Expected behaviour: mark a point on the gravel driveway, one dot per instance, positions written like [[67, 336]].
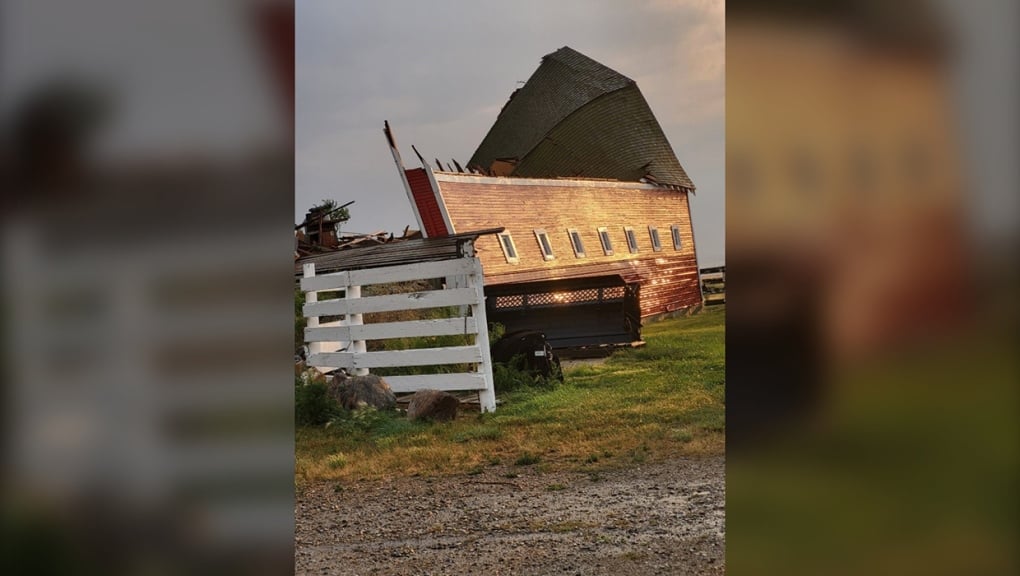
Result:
[[657, 518]]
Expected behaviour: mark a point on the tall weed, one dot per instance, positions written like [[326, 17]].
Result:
[[312, 404]]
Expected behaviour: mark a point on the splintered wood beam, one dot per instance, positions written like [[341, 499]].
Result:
[[420, 158]]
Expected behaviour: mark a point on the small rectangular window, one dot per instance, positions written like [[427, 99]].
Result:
[[509, 250], [653, 233], [543, 244], [575, 241], [607, 244], [631, 239], [677, 243]]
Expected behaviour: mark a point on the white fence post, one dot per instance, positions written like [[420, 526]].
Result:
[[487, 396], [357, 346], [311, 298], [458, 281]]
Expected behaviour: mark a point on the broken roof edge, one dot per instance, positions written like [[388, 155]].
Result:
[[393, 253], [563, 181], [474, 234]]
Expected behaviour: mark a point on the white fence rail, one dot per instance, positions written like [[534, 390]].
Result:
[[342, 344]]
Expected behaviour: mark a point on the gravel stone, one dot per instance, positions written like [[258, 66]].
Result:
[[662, 518]]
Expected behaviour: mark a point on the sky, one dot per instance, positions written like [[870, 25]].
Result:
[[440, 71]]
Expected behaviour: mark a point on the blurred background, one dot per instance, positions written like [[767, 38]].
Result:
[[146, 154], [146, 151], [871, 333]]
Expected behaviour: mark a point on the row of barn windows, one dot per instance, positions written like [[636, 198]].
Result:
[[545, 246]]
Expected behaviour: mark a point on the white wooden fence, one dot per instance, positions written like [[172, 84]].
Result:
[[342, 344]]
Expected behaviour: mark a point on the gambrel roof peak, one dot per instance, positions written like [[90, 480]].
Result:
[[576, 117]]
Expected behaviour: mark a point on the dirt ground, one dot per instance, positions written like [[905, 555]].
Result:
[[655, 518]]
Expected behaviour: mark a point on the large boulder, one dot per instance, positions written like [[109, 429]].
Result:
[[432, 405], [353, 392]]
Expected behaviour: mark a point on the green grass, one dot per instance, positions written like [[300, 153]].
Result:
[[527, 459], [911, 469], [661, 400]]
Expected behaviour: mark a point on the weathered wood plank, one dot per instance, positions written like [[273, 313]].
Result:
[[402, 273], [715, 298], [397, 358], [447, 382], [332, 281], [391, 302], [409, 329]]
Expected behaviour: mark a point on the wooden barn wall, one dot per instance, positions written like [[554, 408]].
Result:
[[669, 278], [425, 198]]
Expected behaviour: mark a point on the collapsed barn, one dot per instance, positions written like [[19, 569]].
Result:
[[593, 201]]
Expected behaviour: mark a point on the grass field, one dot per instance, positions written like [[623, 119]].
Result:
[[664, 399], [911, 469]]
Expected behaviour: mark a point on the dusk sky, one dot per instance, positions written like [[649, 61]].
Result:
[[440, 71]]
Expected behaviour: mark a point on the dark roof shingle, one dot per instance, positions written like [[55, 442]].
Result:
[[577, 117]]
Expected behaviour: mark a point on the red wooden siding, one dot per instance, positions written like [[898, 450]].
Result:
[[668, 278], [425, 199]]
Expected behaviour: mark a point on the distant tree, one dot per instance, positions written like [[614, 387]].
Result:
[[328, 205]]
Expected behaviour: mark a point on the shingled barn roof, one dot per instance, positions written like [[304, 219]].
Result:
[[577, 118]]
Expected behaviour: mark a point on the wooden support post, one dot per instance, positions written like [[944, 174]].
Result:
[[454, 282], [311, 297], [487, 396], [357, 346], [403, 176]]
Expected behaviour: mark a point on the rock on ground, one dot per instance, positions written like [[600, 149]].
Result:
[[657, 518], [353, 392], [432, 405]]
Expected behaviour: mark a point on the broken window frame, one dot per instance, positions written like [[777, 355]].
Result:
[[544, 244], [678, 242], [653, 235], [506, 242], [576, 243], [631, 237], [605, 240]]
